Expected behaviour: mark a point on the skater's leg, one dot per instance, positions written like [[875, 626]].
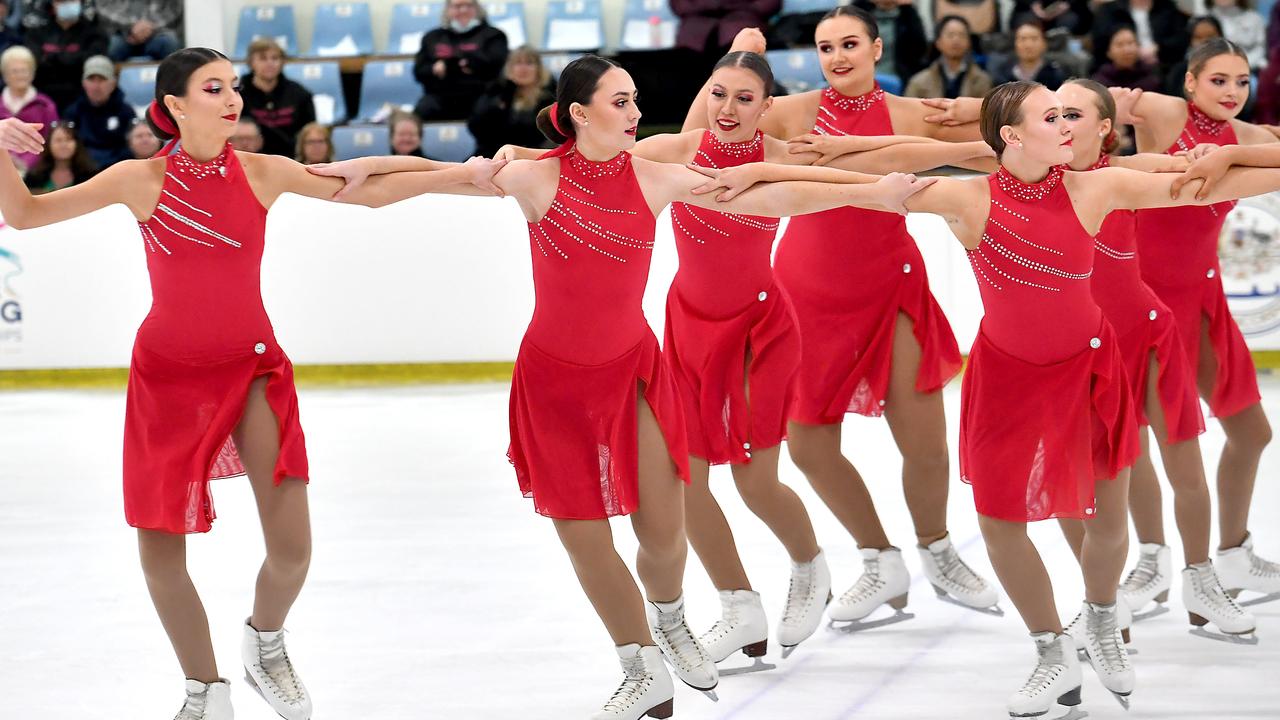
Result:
[[605, 579], [919, 428], [659, 522], [1185, 468], [1073, 531], [286, 520], [164, 564], [1106, 540], [1146, 501], [709, 532], [775, 504], [1021, 573], [815, 449]]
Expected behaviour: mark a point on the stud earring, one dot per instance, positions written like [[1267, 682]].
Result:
[[182, 117]]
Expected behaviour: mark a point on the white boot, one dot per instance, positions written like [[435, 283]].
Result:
[[1055, 680], [210, 701], [808, 594], [646, 688], [884, 580], [953, 579], [1207, 602], [1239, 569], [268, 669], [1149, 581], [1106, 650], [687, 656], [1077, 629], [742, 626]]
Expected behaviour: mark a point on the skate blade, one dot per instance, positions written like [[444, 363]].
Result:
[[1157, 611], [759, 666], [1249, 638], [709, 693], [855, 626], [1074, 713], [1122, 699], [1258, 600], [994, 610]]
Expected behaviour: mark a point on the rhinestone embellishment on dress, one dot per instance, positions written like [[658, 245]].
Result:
[[1029, 192]]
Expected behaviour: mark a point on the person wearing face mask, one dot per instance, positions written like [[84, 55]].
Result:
[[953, 73], [101, 115], [457, 60], [61, 48], [508, 110]]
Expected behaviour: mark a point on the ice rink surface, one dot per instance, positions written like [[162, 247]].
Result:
[[436, 592]]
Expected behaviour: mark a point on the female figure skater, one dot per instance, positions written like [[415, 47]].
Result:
[[210, 391], [1160, 377], [1217, 86], [596, 424], [880, 345]]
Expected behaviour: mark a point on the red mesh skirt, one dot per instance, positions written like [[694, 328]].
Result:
[[177, 433], [709, 358], [848, 342], [1175, 380], [574, 441], [1035, 438]]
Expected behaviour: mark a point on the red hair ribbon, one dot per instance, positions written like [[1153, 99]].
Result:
[[566, 145], [162, 121]]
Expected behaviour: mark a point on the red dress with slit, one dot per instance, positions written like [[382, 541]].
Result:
[[1145, 327], [589, 349], [729, 325], [849, 272], [206, 338], [1179, 260], [1045, 407]]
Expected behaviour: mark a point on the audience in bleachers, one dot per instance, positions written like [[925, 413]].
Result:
[[406, 134], [1028, 61], [457, 60], [1201, 29], [707, 27], [61, 46], [143, 143], [280, 106], [64, 162], [1160, 28], [902, 32], [247, 136], [953, 73], [9, 35], [1125, 66], [315, 144], [508, 110], [1244, 26], [101, 116], [983, 16], [1072, 16], [20, 98], [141, 28]]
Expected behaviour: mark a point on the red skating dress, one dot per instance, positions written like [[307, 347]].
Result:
[[723, 308], [589, 349], [1179, 260], [849, 272], [1045, 408], [1144, 326], [205, 340]]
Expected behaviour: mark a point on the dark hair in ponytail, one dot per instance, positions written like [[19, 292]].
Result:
[[578, 82], [853, 11], [751, 62], [172, 77]]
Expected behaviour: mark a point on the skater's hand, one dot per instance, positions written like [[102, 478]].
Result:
[[19, 136], [353, 173], [1126, 101], [1198, 151], [506, 152], [732, 181], [749, 40], [827, 147], [950, 113], [1209, 169], [482, 172], [895, 188]]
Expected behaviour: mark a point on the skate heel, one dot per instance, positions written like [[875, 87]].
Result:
[[662, 711], [755, 650], [1071, 698], [1124, 635], [1163, 597], [1197, 620], [899, 602]]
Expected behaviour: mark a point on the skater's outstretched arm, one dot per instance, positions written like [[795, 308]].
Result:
[[1131, 190], [1212, 167], [728, 183], [379, 181]]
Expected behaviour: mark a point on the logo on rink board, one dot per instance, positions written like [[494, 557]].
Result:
[[1249, 251], [10, 301]]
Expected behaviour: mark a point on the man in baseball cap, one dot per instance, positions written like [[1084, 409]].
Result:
[[101, 116]]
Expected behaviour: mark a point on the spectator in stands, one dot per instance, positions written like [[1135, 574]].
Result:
[[1029, 61], [953, 74], [315, 144], [143, 143], [20, 99], [141, 28], [508, 111], [62, 46], [1074, 16], [457, 60], [1273, 27], [248, 136], [280, 106], [1266, 110], [100, 115], [406, 134], [9, 36], [707, 27], [902, 32], [1201, 29], [1125, 66], [1161, 29], [1245, 27], [63, 163]]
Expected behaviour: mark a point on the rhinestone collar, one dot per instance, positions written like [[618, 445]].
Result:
[[592, 169], [1029, 192], [738, 149], [861, 103], [1104, 160], [1203, 122], [184, 163]]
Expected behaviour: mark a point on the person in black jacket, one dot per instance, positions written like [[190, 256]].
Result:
[[457, 60], [1162, 40], [280, 106], [902, 32], [1028, 61], [1075, 16], [101, 115], [8, 35], [61, 47], [508, 110]]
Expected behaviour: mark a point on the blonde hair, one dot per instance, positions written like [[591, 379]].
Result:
[[302, 141], [527, 98], [17, 53]]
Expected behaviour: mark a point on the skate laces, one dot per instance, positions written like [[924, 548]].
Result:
[[274, 662], [1143, 575], [1049, 665], [799, 592], [955, 572], [866, 586], [1260, 567], [1104, 637], [635, 681], [193, 708], [1211, 590], [686, 649]]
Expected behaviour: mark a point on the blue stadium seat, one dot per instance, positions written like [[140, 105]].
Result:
[[342, 30], [409, 22], [387, 82], [353, 141], [448, 142], [648, 25], [509, 18], [555, 62], [273, 21], [138, 83], [573, 25], [792, 7], [797, 70], [324, 80], [241, 68], [891, 84]]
